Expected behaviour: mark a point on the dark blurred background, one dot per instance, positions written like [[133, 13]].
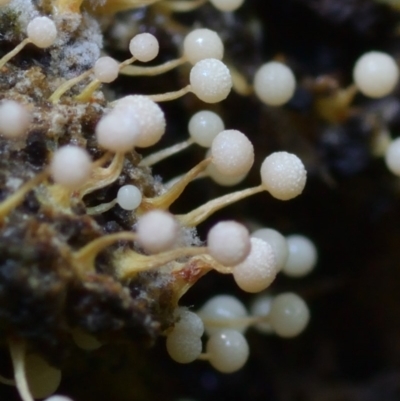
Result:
[[350, 209]]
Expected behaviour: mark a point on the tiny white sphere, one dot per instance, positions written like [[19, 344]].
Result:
[[14, 119], [58, 398], [183, 347], [223, 310], [71, 166], [202, 43], [259, 269], [302, 256], [144, 47], [289, 315], [283, 175], [204, 126], [376, 74], [392, 156], [129, 197], [106, 69], [274, 83], [227, 5], [118, 131], [232, 153], [210, 80], [149, 116], [157, 231], [261, 306], [228, 242], [278, 243], [228, 350], [188, 322], [43, 379], [42, 32]]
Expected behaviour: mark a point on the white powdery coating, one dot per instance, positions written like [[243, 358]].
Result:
[[188, 237], [14, 119], [302, 256], [392, 157], [42, 32], [228, 350], [274, 83], [129, 197], [232, 153], [106, 69], [71, 166], [80, 53], [183, 347], [118, 131], [144, 47], [157, 231], [189, 323], [283, 175], [261, 306], [222, 309], [70, 58], [278, 243], [24, 11], [204, 126], [210, 80], [227, 5], [258, 270], [289, 315], [150, 118], [43, 379], [201, 44], [228, 242], [376, 74]]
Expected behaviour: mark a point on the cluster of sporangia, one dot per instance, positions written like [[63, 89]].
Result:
[[137, 122]]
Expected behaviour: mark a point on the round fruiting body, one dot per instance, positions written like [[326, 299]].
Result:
[[302, 256], [228, 350], [210, 80], [14, 119], [204, 126], [283, 175], [376, 74], [289, 315], [157, 231], [392, 157], [228, 242], [71, 166], [258, 270], [227, 5], [274, 83], [232, 153], [148, 115], [278, 243], [106, 69], [42, 32], [118, 131], [129, 197], [144, 47], [223, 310], [201, 44]]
